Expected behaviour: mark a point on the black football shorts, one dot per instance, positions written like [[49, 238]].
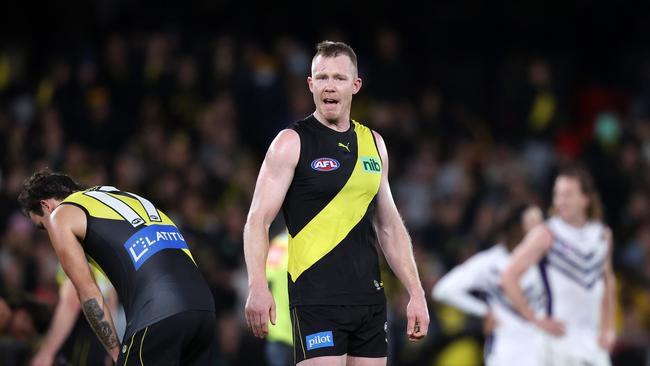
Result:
[[334, 330]]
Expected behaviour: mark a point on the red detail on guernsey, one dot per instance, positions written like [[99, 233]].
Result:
[[325, 164]]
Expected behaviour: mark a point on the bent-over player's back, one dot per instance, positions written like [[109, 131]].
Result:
[[143, 254]]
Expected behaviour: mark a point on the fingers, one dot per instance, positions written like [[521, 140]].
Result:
[[259, 308], [606, 340], [420, 328], [417, 333], [410, 325], [272, 313], [264, 323], [417, 327], [559, 328], [553, 327], [424, 324], [254, 322], [248, 319], [258, 326], [417, 316]]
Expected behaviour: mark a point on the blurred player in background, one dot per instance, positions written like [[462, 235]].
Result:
[[69, 338], [513, 341], [168, 306], [573, 249], [279, 342]]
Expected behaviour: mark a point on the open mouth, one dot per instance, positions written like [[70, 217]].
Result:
[[330, 101]]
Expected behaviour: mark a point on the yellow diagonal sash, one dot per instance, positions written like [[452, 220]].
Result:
[[334, 222]]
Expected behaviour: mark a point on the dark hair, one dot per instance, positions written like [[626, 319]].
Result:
[[333, 49], [588, 187], [512, 226], [42, 185]]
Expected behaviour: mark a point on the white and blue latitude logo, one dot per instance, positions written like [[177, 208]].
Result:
[[150, 240]]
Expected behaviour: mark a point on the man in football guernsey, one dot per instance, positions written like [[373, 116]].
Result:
[[329, 174], [513, 341], [168, 307], [573, 249]]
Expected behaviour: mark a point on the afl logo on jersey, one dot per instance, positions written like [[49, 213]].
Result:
[[325, 164]]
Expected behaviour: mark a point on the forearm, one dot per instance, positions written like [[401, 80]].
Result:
[[99, 317], [512, 289], [449, 292], [256, 247], [608, 304], [396, 245], [65, 316]]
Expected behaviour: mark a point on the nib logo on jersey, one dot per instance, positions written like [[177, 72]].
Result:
[[150, 240], [370, 164], [325, 164], [319, 340]]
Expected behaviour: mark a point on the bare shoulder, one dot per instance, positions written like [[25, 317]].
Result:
[[379, 139], [65, 213], [69, 217], [541, 235], [287, 136], [607, 232], [285, 147], [609, 237], [381, 146]]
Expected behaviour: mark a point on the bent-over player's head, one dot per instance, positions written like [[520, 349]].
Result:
[[575, 195], [334, 80], [43, 191]]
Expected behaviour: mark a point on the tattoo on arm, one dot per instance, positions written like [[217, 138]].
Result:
[[95, 316]]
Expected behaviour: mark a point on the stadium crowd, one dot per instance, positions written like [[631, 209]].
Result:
[[185, 122]]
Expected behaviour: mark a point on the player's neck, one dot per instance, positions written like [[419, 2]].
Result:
[[342, 124], [577, 221]]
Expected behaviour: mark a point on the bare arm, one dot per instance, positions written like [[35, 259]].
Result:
[[454, 287], [395, 242], [66, 224], [536, 243], [272, 184], [65, 316], [607, 329]]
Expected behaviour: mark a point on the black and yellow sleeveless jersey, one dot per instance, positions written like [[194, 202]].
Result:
[[328, 210], [143, 254]]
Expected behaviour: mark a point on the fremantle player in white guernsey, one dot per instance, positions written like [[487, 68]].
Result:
[[514, 341], [574, 250]]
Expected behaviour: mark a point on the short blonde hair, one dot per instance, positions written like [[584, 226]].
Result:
[[333, 49]]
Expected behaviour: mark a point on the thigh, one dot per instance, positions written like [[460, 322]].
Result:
[[198, 347], [152, 345], [370, 339], [318, 331], [324, 361], [366, 361]]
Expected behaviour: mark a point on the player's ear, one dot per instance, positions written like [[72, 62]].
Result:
[[356, 86], [45, 205], [48, 205]]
